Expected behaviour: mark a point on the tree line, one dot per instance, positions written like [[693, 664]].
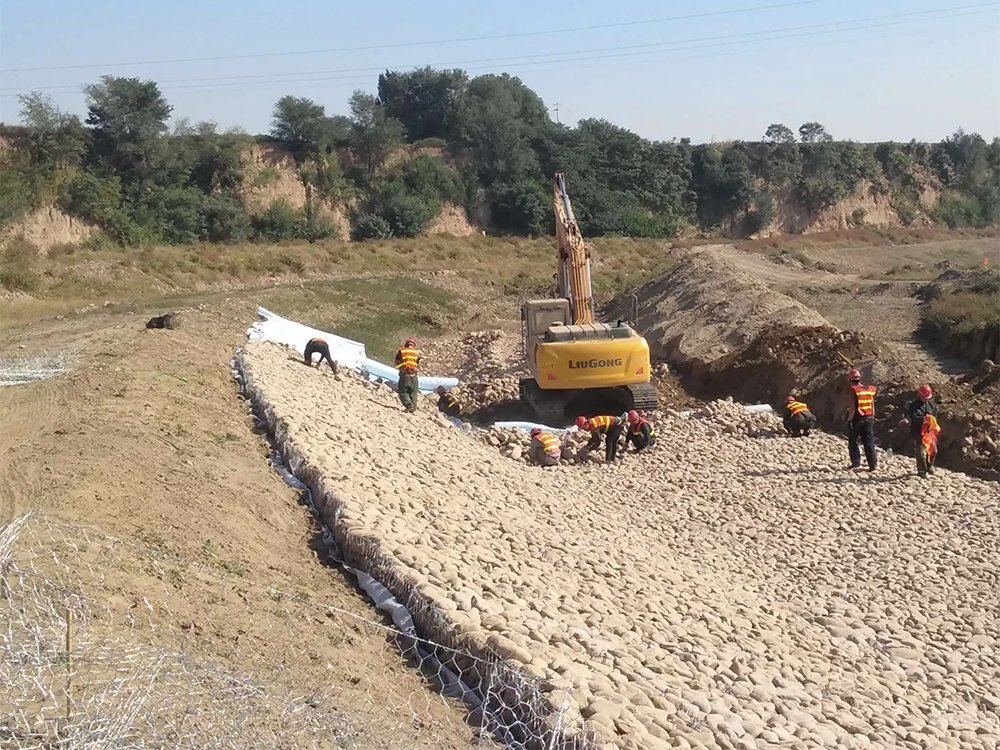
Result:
[[486, 143]]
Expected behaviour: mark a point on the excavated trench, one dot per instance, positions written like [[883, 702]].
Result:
[[725, 334]]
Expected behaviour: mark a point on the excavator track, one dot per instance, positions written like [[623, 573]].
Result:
[[644, 397], [550, 406]]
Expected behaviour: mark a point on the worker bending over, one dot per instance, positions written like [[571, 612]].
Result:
[[798, 420], [447, 403], [407, 361], [640, 432], [924, 429], [320, 347], [862, 422], [607, 427], [545, 448]]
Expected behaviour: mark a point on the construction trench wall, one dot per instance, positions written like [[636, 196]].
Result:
[[512, 703]]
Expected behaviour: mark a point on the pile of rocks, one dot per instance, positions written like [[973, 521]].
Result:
[[485, 395], [516, 444], [732, 418], [720, 592]]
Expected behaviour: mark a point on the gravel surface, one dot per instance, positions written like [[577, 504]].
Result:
[[735, 588]]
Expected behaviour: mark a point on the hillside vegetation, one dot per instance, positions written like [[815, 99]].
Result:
[[435, 137]]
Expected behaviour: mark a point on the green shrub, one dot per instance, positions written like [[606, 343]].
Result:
[[430, 143], [958, 211], [19, 269], [963, 311], [226, 219], [93, 198], [16, 196], [366, 226], [278, 222], [858, 217]]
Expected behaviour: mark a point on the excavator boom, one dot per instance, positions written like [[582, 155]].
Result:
[[573, 257]]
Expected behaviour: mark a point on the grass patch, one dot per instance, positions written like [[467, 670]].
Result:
[[963, 312], [380, 312]]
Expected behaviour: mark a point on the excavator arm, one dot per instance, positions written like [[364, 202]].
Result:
[[573, 257]]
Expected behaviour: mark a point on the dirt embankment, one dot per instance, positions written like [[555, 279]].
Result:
[[728, 334]]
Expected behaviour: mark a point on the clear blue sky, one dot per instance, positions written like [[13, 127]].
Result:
[[893, 76]]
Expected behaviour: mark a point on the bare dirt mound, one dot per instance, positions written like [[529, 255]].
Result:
[[727, 334], [704, 308]]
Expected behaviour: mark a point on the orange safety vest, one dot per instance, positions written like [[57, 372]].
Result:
[[406, 359], [797, 407], [864, 397], [550, 443], [929, 432], [600, 424], [636, 429]]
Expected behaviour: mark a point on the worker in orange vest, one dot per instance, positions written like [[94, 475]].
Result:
[[640, 432], [447, 403], [545, 448], [320, 347], [407, 361], [607, 427], [862, 422], [798, 420], [924, 428]]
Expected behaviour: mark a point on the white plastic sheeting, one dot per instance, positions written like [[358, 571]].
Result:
[[272, 327], [528, 426]]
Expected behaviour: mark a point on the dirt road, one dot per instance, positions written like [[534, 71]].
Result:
[[147, 442]]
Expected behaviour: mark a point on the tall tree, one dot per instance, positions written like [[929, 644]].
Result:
[[814, 132], [499, 116], [128, 117], [55, 138], [424, 100], [778, 133], [304, 126], [373, 133]]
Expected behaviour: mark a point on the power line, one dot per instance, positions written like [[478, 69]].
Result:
[[397, 45], [628, 51]]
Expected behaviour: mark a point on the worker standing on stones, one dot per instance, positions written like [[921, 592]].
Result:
[[320, 347], [862, 422], [924, 429], [798, 420], [447, 403], [545, 448], [640, 432], [407, 361], [607, 427]]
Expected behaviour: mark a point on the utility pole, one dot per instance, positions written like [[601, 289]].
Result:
[[556, 108]]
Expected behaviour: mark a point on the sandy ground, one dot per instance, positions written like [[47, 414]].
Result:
[[146, 441], [725, 591]]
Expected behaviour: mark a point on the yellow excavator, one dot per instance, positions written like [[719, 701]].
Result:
[[579, 366]]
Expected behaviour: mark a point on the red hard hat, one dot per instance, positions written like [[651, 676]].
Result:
[[854, 374], [633, 416], [410, 342], [536, 431], [790, 399], [925, 392], [581, 422]]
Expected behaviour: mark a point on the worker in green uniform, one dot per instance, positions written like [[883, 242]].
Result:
[[407, 361]]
